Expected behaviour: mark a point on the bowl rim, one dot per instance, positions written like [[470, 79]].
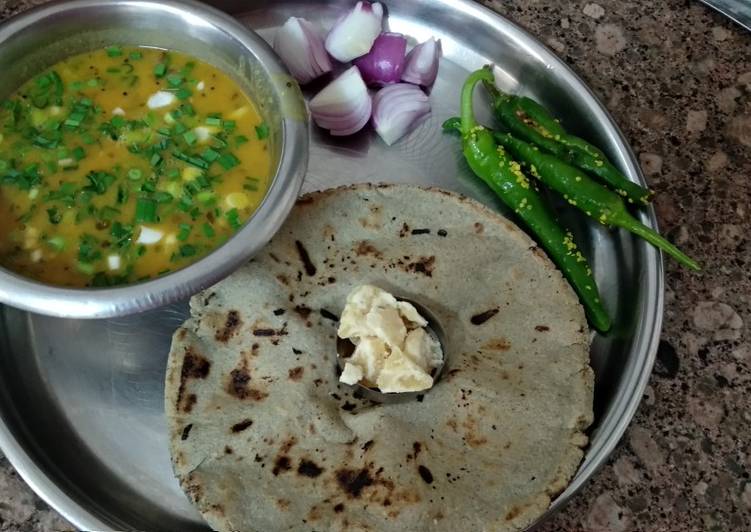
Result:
[[82, 303]]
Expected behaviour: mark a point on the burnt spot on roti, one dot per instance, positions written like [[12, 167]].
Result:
[[338, 508], [354, 481], [310, 268], [404, 231], [479, 228], [296, 374], [194, 366], [425, 474], [228, 449], [181, 333], [420, 231], [231, 324], [367, 445], [541, 328], [416, 448], [303, 311], [482, 317], [442, 232], [281, 465], [328, 315], [366, 248], [239, 385], [264, 331], [241, 426], [423, 265], [279, 312], [308, 468], [498, 344], [282, 279], [349, 407], [186, 432], [189, 403]]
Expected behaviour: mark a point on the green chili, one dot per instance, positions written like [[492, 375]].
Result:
[[587, 195], [491, 164]]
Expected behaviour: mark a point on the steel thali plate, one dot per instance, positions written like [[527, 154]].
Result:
[[81, 402]]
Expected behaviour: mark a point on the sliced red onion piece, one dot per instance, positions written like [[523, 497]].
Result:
[[301, 48], [421, 65], [384, 63], [396, 110], [343, 106], [354, 33]]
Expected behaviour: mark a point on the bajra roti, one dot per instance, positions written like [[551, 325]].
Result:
[[264, 438]]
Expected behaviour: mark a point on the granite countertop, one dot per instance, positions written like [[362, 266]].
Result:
[[677, 78]]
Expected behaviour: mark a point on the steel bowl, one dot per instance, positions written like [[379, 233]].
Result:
[[43, 36]]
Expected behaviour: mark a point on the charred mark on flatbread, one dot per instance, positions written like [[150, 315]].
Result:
[[416, 448], [328, 315], [353, 481], [424, 265], [231, 324], [310, 268], [194, 367], [303, 311], [482, 317], [279, 312], [367, 445], [186, 431], [421, 231], [404, 230], [442, 232], [479, 228], [296, 351], [349, 407], [308, 468], [541, 328], [338, 508], [425, 474], [189, 402], [281, 465], [238, 385], [242, 425], [228, 449], [269, 332], [366, 248], [295, 374]]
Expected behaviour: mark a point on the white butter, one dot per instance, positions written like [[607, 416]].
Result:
[[118, 111], [393, 351], [161, 99], [200, 85]]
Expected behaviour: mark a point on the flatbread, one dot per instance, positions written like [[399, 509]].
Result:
[[264, 438]]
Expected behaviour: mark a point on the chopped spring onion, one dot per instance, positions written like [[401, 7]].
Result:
[[146, 210], [262, 131]]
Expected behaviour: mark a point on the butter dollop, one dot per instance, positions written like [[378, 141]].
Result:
[[393, 350]]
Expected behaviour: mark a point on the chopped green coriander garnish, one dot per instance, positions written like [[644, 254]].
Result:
[[160, 70], [208, 231]]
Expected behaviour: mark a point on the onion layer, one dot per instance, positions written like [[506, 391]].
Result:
[[384, 63], [396, 110], [353, 34], [301, 48], [421, 66], [343, 106]]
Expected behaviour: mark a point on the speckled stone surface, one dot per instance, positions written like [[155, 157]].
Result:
[[677, 78]]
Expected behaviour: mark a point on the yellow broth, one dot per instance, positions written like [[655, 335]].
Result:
[[123, 164]]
